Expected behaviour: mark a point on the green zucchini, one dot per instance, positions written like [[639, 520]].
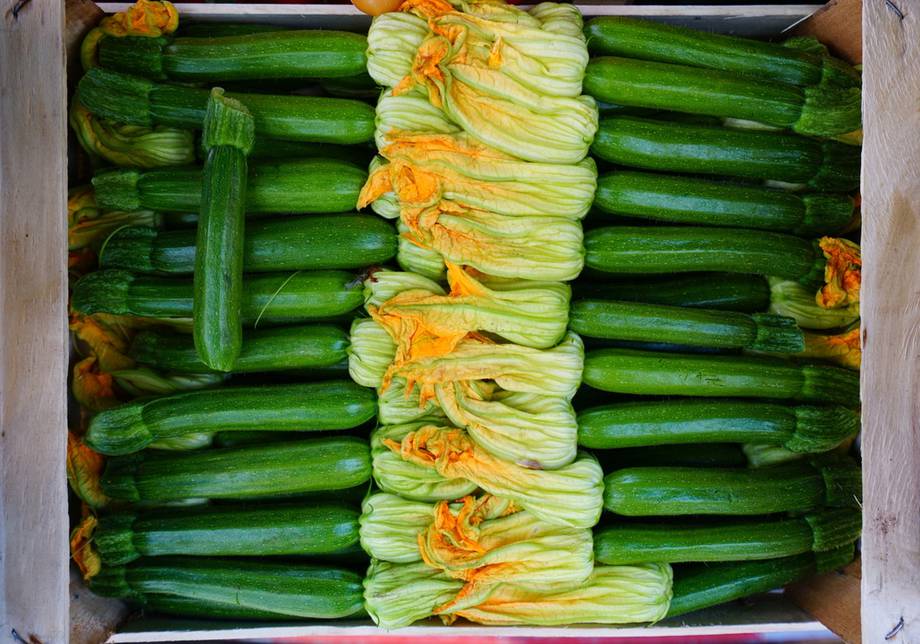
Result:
[[221, 29], [669, 146], [633, 321], [270, 298], [657, 373], [217, 326], [303, 53], [652, 40], [312, 242], [725, 291], [314, 406], [825, 111], [740, 540], [701, 455], [642, 423], [688, 200], [678, 491], [138, 101], [166, 604], [285, 186], [256, 471], [284, 589], [303, 529], [287, 348], [682, 249], [707, 585]]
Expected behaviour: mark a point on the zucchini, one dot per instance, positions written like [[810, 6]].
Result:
[[314, 406], [303, 529], [726, 291], [678, 491], [315, 346], [702, 455], [217, 326], [682, 249], [222, 29], [138, 101], [303, 53], [642, 423], [283, 589], [689, 200], [652, 40], [627, 371], [270, 298], [615, 320], [740, 540], [260, 471], [824, 111], [670, 146], [266, 149], [313, 242], [286, 186], [198, 608], [707, 585]]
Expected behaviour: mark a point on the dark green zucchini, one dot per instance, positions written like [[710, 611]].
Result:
[[637, 322], [314, 242], [138, 101], [658, 373], [255, 471], [725, 291], [303, 53], [313, 406], [287, 298], [286, 186], [221, 29], [679, 491], [687, 200], [745, 540], [284, 589], [271, 530], [670, 146], [286, 348], [799, 428]]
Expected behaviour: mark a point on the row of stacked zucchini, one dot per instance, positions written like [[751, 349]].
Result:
[[486, 499]]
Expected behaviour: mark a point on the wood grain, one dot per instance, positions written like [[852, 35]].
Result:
[[891, 322], [833, 599], [839, 26], [33, 332]]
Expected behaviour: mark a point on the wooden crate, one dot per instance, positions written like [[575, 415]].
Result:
[[40, 603]]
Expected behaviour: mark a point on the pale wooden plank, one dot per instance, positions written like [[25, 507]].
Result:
[[891, 322], [831, 598], [33, 348]]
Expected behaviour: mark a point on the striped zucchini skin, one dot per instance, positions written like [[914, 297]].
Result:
[[682, 249], [724, 291], [302, 529], [260, 471], [283, 589], [286, 348], [672, 146], [312, 406], [686, 200], [315, 242], [638, 322], [287, 298], [657, 373]]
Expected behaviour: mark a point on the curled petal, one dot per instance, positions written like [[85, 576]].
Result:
[[842, 274]]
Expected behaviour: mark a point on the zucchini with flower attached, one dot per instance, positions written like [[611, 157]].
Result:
[[677, 491], [270, 298], [138, 101], [673, 146], [744, 540], [317, 406], [276, 469], [686, 200], [312, 185], [659, 373], [818, 110], [800, 428]]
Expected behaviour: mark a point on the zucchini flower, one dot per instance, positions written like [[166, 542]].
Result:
[[382, 286], [396, 595], [146, 382], [82, 550], [390, 527], [842, 274], [88, 225], [106, 337], [395, 406], [392, 42], [93, 389], [131, 145], [424, 170], [396, 475], [763, 455], [415, 258], [84, 472], [791, 299], [151, 18], [842, 349], [569, 496], [611, 595], [410, 112], [370, 352]]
